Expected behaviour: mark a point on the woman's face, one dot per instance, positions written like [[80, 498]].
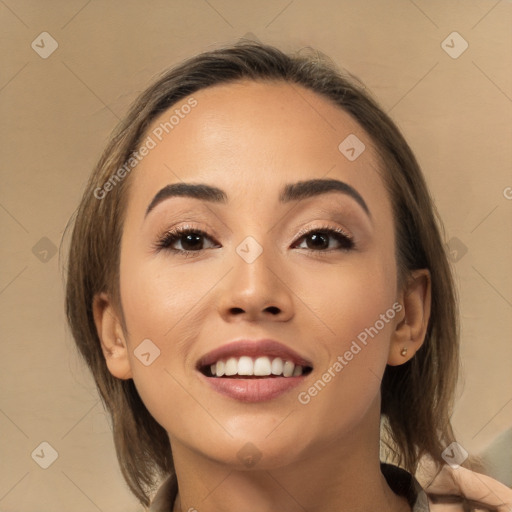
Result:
[[269, 258]]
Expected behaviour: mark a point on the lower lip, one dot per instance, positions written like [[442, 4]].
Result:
[[253, 390]]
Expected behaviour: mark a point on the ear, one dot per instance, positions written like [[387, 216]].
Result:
[[110, 332], [412, 319]]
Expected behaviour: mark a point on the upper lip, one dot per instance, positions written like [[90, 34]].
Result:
[[253, 348]]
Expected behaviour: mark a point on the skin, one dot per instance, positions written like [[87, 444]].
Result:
[[481, 491], [250, 139]]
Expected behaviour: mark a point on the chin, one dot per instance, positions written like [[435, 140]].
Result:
[[252, 451]]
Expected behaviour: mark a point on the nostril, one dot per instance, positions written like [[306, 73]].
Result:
[[274, 310]]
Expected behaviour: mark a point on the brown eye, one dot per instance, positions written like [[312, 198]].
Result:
[[191, 241], [326, 239], [185, 240]]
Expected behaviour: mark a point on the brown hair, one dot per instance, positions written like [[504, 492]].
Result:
[[416, 396]]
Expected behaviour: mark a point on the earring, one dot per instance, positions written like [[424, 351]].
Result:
[[403, 352]]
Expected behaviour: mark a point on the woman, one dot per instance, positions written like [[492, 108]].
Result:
[[256, 280]]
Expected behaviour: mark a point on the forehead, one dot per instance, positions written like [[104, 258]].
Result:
[[247, 135]]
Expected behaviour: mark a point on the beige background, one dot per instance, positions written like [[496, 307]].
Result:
[[56, 114]]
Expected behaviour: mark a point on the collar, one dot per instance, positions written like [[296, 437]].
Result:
[[404, 484], [401, 482]]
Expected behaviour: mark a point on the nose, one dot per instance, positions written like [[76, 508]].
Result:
[[255, 291]]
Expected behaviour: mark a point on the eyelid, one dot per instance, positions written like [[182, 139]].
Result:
[[325, 227], [175, 231], [188, 226], [343, 235], [170, 235]]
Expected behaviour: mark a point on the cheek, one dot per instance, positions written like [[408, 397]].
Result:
[[155, 354], [347, 298], [346, 386], [160, 298], [165, 308], [356, 303]]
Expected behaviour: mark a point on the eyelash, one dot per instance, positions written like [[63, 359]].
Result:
[[344, 239], [175, 234]]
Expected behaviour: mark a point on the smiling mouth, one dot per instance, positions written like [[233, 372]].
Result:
[[246, 367]]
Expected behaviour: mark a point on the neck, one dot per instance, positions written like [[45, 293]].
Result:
[[343, 476]]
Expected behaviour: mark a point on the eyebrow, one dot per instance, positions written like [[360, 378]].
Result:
[[290, 192]]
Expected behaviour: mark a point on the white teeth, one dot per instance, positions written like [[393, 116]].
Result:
[[277, 366], [259, 367], [288, 369], [262, 366], [245, 366], [220, 369], [231, 366]]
